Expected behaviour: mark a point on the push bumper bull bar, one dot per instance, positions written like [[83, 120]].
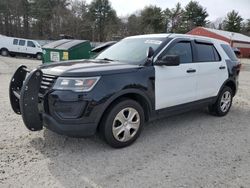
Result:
[[24, 96]]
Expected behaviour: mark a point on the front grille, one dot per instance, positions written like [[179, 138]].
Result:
[[46, 84]]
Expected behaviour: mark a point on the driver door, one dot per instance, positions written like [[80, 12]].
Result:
[[31, 47], [176, 85]]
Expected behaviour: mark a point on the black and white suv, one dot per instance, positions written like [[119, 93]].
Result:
[[134, 81]]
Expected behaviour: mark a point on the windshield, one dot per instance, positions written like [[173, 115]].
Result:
[[131, 50]]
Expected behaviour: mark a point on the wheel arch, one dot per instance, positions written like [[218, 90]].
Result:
[[4, 49], [230, 83], [133, 94], [39, 53]]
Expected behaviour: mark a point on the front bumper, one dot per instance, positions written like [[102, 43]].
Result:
[[63, 112], [73, 130]]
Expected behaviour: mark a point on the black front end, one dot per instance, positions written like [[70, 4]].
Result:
[[65, 112]]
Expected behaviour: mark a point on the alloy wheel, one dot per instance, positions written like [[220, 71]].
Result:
[[225, 102], [126, 124]]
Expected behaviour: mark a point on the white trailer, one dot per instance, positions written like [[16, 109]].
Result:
[[18, 46]]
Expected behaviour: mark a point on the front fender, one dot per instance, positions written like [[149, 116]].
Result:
[[120, 94]]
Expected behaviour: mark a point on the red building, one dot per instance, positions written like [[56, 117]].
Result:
[[236, 40]]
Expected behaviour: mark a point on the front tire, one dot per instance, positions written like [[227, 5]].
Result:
[[39, 56], [123, 123], [223, 103]]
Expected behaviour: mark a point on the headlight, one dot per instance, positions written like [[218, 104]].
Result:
[[76, 84]]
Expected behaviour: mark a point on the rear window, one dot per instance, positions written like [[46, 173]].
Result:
[[229, 51], [206, 53]]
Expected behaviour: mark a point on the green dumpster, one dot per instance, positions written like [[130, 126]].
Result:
[[63, 50]]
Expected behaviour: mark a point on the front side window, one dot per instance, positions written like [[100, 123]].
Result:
[[206, 53], [31, 44], [15, 41], [181, 49], [131, 50], [21, 42]]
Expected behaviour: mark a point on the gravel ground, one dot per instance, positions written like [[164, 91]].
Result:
[[189, 150]]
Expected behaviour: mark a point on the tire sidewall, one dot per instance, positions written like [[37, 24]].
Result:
[[218, 107], [107, 126], [6, 52], [39, 55]]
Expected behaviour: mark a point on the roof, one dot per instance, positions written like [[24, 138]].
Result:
[[229, 35], [175, 35], [162, 35], [64, 44]]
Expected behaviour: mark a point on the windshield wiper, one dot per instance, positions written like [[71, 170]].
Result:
[[107, 59]]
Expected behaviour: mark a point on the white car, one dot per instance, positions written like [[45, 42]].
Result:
[[18, 46]]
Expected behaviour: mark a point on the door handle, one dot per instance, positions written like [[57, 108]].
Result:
[[191, 71], [222, 67]]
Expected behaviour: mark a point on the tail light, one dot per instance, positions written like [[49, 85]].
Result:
[[238, 68]]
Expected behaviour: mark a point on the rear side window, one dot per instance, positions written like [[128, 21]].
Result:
[[207, 53], [230, 53], [31, 44], [21, 42], [15, 41], [216, 55], [183, 50]]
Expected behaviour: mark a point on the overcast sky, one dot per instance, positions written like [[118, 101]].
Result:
[[215, 8]]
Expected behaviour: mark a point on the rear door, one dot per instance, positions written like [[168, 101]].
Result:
[[13, 47], [211, 69], [175, 85], [22, 48]]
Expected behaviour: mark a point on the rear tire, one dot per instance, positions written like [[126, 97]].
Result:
[[4, 52], [122, 123], [223, 103]]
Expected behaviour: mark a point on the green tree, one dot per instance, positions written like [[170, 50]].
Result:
[[79, 20], [174, 19], [134, 25], [41, 11], [152, 19], [246, 27], [12, 17], [8, 15], [48, 16], [233, 22], [25, 6], [195, 15], [102, 16]]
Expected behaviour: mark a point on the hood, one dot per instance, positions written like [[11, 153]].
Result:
[[85, 68]]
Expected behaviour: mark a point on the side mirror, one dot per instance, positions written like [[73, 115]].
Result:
[[169, 60], [150, 52]]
